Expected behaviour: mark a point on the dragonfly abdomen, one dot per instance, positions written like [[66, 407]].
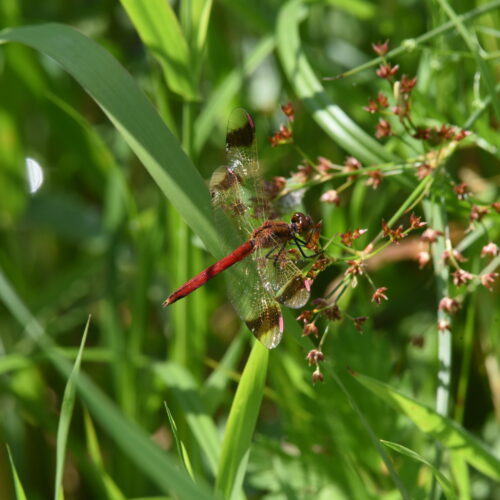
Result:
[[200, 279]]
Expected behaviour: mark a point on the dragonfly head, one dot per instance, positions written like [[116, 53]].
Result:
[[301, 222]]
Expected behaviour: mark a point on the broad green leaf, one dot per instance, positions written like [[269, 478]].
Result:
[[445, 430], [242, 420], [328, 115], [185, 390], [132, 114], [18, 487], [443, 480], [67, 406], [132, 440], [160, 31]]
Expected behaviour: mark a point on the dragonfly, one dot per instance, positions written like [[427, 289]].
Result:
[[264, 270]]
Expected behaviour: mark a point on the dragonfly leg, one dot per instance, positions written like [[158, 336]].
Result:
[[301, 244], [279, 253]]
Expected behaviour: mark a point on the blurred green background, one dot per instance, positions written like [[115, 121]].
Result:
[[99, 237]]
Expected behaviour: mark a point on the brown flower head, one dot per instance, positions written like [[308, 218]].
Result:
[[430, 235], [314, 356], [351, 164], [382, 100], [423, 259], [423, 170], [330, 196], [489, 249], [305, 316], [416, 222], [407, 84], [371, 107], [350, 236], [496, 206], [460, 135], [456, 255], [381, 48], [310, 328], [288, 110], [382, 129], [324, 164], [379, 295], [359, 322], [386, 71], [449, 305], [317, 376], [374, 178], [283, 136], [461, 191], [477, 213], [488, 279], [423, 133], [355, 268], [461, 277]]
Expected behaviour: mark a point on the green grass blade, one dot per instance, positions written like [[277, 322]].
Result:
[[242, 420], [217, 104], [161, 32], [443, 480], [181, 449], [112, 490], [132, 440], [473, 46], [18, 487], [373, 438], [217, 382], [185, 391], [328, 115], [132, 114], [445, 430], [67, 406]]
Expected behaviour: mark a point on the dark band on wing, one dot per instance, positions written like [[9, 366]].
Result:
[[223, 179], [295, 293], [241, 137], [268, 320]]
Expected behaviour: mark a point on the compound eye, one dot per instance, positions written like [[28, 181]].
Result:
[[301, 221]]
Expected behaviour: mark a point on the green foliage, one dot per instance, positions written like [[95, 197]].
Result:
[[102, 96]]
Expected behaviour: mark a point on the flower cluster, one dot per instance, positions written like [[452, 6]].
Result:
[[284, 135]]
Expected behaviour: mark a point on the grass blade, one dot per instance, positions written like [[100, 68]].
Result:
[[242, 420], [67, 406], [18, 487], [185, 391], [112, 490], [133, 441], [161, 32], [181, 449], [443, 480], [328, 115], [132, 114], [445, 430]]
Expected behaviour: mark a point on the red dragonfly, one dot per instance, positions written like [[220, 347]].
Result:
[[270, 275]]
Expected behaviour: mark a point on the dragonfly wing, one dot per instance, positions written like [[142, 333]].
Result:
[[240, 207], [254, 304], [282, 279]]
